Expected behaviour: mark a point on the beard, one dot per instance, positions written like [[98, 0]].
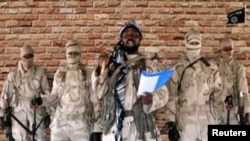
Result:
[[130, 46]]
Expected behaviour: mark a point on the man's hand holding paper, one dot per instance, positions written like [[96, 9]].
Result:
[[146, 98]]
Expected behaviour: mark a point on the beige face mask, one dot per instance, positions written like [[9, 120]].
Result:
[[193, 50], [227, 49], [193, 44], [73, 55], [27, 57], [27, 63], [73, 52]]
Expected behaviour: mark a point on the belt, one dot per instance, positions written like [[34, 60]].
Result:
[[25, 98], [128, 113], [196, 108], [71, 116]]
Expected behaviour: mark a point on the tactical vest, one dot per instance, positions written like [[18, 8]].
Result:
[[88, 115], [34, 84], [143, 122], [35, 76], [235, 67]]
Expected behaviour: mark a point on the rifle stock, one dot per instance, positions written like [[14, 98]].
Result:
[[7, 118]]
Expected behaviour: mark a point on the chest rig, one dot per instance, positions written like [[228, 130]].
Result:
[[26, 85], [84, 90], [81, 77], [143, 122]]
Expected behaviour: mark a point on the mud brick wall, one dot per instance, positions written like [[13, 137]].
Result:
[[46, 25]]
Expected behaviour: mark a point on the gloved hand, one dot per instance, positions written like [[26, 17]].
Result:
[[229, 102], [173, 133], [36, 101], [96, 136], [2, 123]]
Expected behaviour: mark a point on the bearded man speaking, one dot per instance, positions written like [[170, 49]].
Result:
[[124, 115]]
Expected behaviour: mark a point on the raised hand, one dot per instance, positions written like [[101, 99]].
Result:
[[102, 63]]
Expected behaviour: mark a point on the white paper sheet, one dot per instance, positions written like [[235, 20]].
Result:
[[150, 82], [147, 84]]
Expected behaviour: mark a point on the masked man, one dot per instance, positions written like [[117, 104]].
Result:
[[234, 84], [71, 98], [124, 115], [194, 87], [24, 84]]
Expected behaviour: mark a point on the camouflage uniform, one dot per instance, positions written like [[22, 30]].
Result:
[[234, 81], [72, 98], [19, 89], [135, 120], [193, 88]]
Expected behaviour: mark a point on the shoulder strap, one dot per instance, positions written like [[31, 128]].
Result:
[[16, 73], [204, 60], [114, 75], [136, 74]]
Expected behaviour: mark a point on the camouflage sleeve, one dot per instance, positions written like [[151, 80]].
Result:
[[93, 96], [45, 88], [100, 83], [52, 99], [243, 87], [215, 82], [160, 97], [171, 106], [7, 92], [99, 88]]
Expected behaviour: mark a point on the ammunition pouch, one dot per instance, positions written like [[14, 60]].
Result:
[[143, 122]]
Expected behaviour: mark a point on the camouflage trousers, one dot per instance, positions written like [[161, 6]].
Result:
[[129, 132], [69, 129], [27, 118], [194, 123], [232, 117]]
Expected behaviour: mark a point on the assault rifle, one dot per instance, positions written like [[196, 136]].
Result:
[[8, 124], [229, 102], [7, 119]]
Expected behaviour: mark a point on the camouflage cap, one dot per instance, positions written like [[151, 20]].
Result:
[[193, 34], [226, 42], [130, 24], [26, 49], [73, 45]]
